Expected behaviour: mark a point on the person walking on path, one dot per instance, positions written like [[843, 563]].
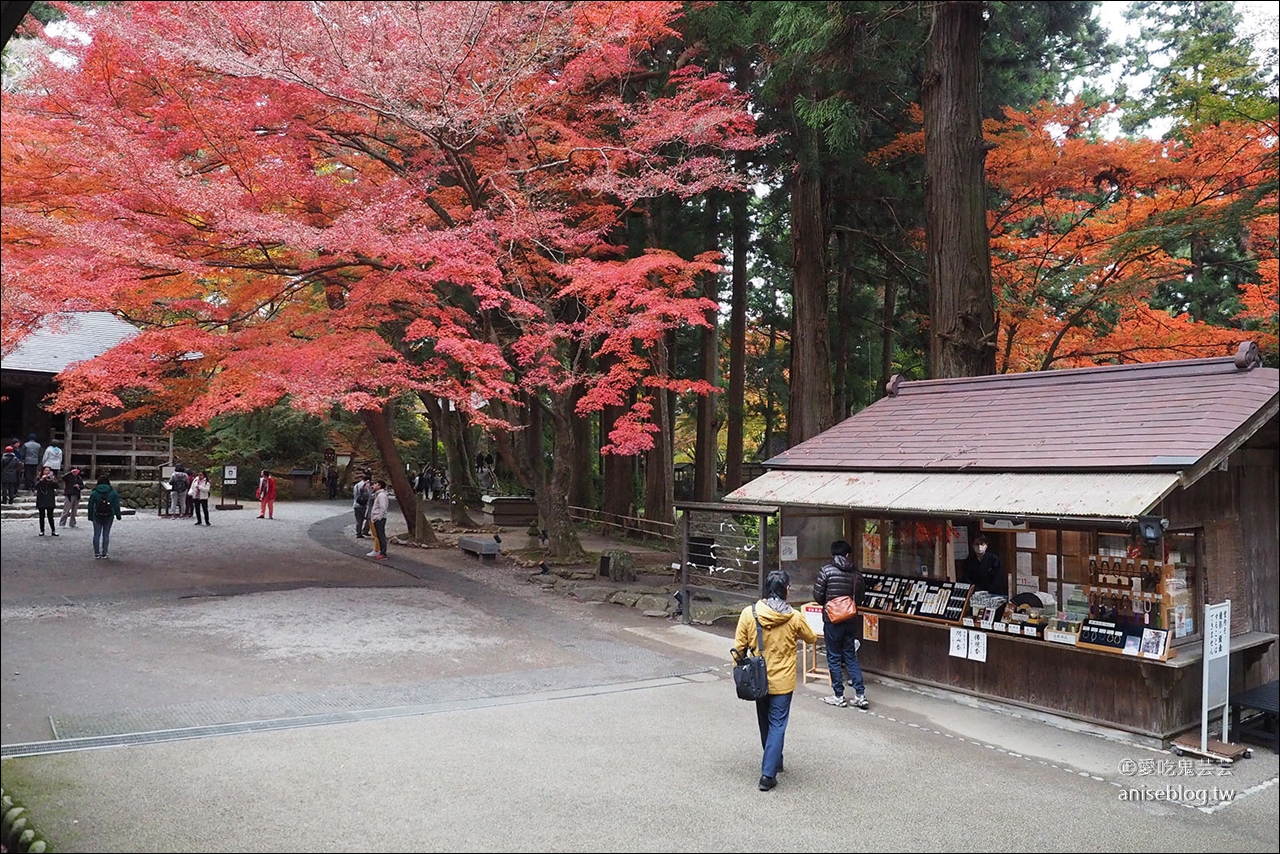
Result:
[[72, 487], [104, 509], [331, 481], [30, 455], [10, 475], [782, 627], [200, 490], [266, 495], [360, 505], [841, 578], [379, 504], [46, 499]]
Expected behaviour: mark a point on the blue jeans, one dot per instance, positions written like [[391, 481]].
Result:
[[102, 531], [772, 713], [842, 654]]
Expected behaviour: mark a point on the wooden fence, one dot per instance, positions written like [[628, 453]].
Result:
[[626, 526]]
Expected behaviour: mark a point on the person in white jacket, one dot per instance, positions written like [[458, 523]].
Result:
[[199, 491], [53, 458], [379, 504]]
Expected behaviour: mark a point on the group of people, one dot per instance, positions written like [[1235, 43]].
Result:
[[102, 509], [370, 503], [781, 629], [23, 464], [189, 494], [431, 483]]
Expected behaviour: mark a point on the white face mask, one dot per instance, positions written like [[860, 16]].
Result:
[[982, 550]]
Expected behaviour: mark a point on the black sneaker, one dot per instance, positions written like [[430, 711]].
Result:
[[767, 783]]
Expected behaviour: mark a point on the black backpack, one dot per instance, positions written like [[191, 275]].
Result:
[[103, 509]]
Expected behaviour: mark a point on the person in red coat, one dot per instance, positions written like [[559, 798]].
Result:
[[266, 495]]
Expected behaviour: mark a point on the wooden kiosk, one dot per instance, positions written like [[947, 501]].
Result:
[[1119, 500]]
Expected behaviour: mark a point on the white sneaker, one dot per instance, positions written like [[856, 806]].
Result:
[[860, 702], [371, 554], [833, 700]]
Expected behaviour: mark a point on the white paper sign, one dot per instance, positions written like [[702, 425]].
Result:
[[960, 542], [1024, 563], [959, 643], [1026, 539], [788, 549], [813, 616], [1051, 566], [977, 646]]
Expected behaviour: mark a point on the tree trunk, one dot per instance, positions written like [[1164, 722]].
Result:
[[889, 320], [659, 468], [523, 455], [706, 444], [581, 493], [770, 408], [841, 334], [379, 424], [962, 340], [617, 483], [809, 405], [737, 340], [553, 500], [463, 491]]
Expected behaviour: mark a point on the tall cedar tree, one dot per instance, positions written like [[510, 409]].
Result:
[[962, 335]]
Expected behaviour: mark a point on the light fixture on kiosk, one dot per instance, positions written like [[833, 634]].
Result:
[[1150, 528]]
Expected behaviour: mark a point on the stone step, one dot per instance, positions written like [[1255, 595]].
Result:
[[16, 511]]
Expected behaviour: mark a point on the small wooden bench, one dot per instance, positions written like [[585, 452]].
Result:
[[485, 549], [1264, 699]]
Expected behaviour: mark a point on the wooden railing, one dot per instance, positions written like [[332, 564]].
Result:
[[625, 526], [124, 456]]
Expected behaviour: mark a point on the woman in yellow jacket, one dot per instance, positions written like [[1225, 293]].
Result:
[[781, 625]]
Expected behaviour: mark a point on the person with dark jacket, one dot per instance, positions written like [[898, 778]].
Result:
[[10, 475], [30, 454], [360, 503], [841, 578], [72, 487], [781, 627], [46, 499], [982, 568], [103, 509]]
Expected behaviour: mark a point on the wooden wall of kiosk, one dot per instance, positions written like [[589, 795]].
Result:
[[1239, 511]]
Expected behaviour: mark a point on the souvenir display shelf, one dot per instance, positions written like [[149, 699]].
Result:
[[925, 598]]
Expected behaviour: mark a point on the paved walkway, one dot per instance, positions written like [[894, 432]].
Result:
[[259, 685]]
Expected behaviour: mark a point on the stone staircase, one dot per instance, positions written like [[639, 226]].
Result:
[[24, 506]]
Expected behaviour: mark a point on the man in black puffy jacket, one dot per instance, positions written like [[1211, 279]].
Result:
[[841, 578]]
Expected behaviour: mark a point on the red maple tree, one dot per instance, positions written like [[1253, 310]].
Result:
[[344, 203]]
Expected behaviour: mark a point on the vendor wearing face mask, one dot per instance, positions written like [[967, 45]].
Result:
[[982, 568]]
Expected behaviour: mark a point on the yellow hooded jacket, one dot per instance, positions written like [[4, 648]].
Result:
[[780, 633]]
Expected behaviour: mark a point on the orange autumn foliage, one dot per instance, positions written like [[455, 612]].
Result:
[[1084, 229]]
